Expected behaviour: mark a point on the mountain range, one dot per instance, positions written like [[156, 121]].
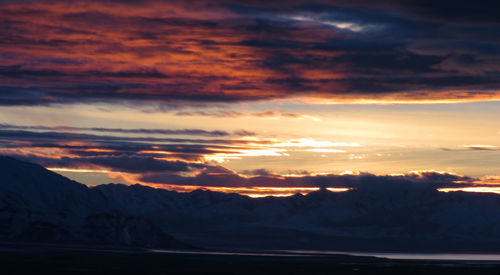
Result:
[[38, 205]]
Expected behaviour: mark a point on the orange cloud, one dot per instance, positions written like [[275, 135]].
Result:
[[171, 52]]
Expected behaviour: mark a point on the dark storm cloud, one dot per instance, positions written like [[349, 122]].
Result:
[[221, 177], [460, 11], [229, 51], [121, 163]]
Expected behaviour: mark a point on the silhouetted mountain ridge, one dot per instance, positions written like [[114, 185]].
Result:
[[39, 205]]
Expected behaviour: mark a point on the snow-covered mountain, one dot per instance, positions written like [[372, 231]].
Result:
[[39, 205]]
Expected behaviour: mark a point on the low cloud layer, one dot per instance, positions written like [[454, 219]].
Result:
[[222, 177], [148, 150], [186, 132]]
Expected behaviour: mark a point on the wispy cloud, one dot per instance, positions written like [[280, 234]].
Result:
[[474, 147], [78, 147], [186, 132], [236, 114]]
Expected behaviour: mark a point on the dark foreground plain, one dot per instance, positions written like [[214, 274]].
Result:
[[67, 260]]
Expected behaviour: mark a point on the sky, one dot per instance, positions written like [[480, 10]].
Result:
[[254, 97]]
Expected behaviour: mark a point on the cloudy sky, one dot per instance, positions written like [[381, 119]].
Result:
[[255, 97]]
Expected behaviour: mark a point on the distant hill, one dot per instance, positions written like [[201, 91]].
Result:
[[39, 205]]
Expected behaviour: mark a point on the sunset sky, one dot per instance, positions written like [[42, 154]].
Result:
[[253, 97]]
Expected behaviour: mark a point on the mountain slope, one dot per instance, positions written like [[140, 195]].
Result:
[[39, 205], [36, 204]]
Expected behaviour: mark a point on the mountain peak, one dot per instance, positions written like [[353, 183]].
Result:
[[16, 174], [39, 205], [36, 204]]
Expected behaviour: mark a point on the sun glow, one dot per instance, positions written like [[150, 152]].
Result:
[[77, 170], [482, 189], [448, 97], [253, 192]]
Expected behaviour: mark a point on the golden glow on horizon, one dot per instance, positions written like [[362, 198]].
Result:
[[423, 172], [324, 150], [382, 143], [453, 98], [489, 180], [258, 192], [77, 170], [155, 152], [482, 189], [99, 150], [309, 142], [349, 172], [240, 153], [254, 192], [262, 147]]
